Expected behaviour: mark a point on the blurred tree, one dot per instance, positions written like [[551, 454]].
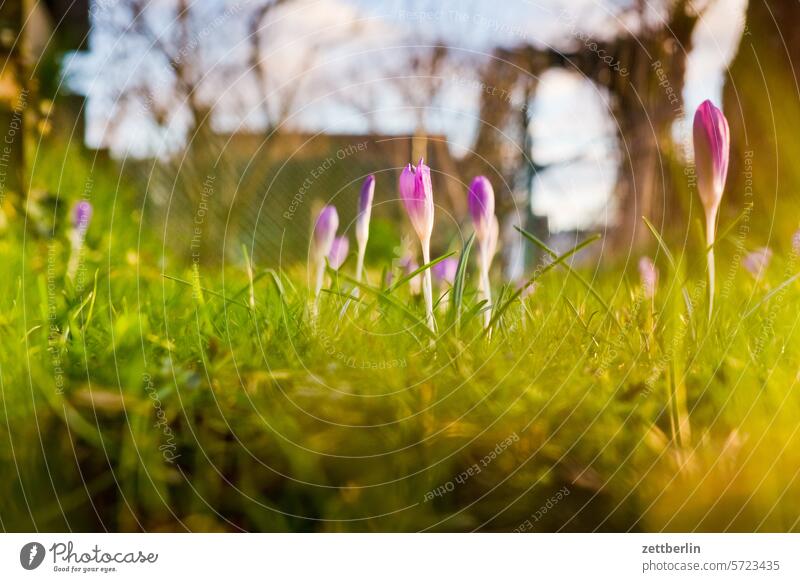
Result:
[[178, 52], [275, 111], [646, 102], [502, 149], [177, 90], [196, 52], [641, 64], [419, 82], [507, 87], [643, 69], [13, 102], [762, 103], [30, 44]]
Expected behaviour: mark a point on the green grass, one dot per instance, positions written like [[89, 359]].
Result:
[[158, 398]]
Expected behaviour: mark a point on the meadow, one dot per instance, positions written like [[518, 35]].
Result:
[[142, 392]]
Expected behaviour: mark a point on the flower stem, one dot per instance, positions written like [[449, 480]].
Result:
[[485, 288], [76, 239], [362, 249], [318, 285], [711, 226], [427, 287]]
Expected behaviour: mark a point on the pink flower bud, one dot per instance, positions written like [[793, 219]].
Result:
[[416, 192], [325, 231], [365, 209], [648, 273], [445, 271], [796, 242], [528, 289], [757, 261], [409, 265], [712, 143], [81, 215], [481, 206], [338, 252]]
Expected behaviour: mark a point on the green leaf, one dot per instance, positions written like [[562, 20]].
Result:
[[661, 243], [771, 294], [459, 283], [532, 238], [196, 284], [539, 273], [384, 295], [728, 229], [416, 272]]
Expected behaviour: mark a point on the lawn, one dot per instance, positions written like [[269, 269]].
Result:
[[148, 394]]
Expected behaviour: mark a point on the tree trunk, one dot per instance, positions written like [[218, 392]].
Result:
[[646, 90], [643, 73], [762, 103], [13, 102]]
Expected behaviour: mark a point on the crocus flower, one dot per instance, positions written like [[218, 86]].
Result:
[[528, 289], [481, 207], [711, 154], [416, 191], [445, 271], [757, 261], [325, 230], [796, 242], [408, 266], [445, 274], [324, 233], [648, 273], [338, 252], [81, 216], [362, 223]]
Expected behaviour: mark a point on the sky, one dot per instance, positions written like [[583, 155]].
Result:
[[335, 52]]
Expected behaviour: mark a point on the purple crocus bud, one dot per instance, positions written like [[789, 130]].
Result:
[[528, 289], [712, 143], [796, 242], [409, 265], [416, 192], [338, 252], [481, 205], [445, 271], [325, 231], [81, 215], [365, 210], [757, 261], [648, 273]]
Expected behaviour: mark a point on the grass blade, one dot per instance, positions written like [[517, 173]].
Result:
[[580, 320], [771, 294], [476, 309], [589, 287], [196, 286], [728, 229], [251, 286], [559, 260], [459, 283], [402, 281], [661, 243], [383, 295]]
